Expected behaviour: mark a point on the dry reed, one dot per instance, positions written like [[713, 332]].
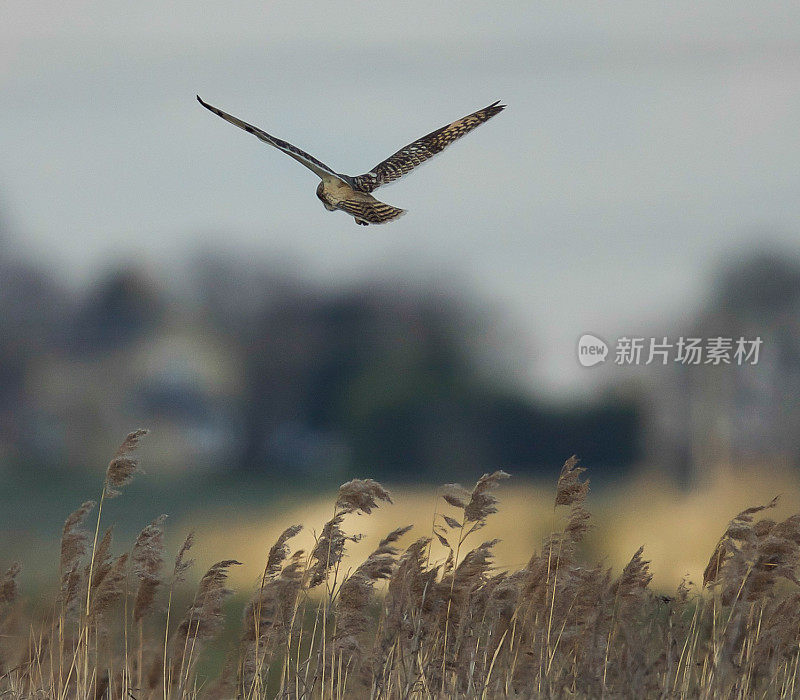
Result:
[[450, 628]]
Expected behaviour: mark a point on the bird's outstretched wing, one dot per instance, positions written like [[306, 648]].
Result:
[[300, 156], [374, 212], [416, 153]]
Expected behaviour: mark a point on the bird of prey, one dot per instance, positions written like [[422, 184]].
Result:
[[351, 194]]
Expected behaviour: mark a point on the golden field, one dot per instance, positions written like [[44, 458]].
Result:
[[677, 528]]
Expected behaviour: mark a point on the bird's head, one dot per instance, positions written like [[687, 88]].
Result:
[[323, 198]]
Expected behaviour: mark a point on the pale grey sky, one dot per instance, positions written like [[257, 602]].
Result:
[[643, 142]]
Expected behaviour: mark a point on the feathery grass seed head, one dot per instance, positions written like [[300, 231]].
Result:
[[123, 467]]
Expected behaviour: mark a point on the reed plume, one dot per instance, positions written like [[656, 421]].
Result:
[[123, 466], [9, 588], [202, 621], [147, 558]]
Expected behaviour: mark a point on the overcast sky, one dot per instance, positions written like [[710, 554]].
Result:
[[643, 143]]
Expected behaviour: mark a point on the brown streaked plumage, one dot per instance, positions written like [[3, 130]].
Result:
[[351, 194]]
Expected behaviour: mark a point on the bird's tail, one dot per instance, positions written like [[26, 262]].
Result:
[[370, 212]]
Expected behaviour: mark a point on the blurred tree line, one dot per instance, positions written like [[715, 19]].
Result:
[[241, 370]]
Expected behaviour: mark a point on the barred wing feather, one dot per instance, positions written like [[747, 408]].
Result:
[[416, 153], [299, 155]]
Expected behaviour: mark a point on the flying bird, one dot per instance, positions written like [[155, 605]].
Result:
[[351, 194]]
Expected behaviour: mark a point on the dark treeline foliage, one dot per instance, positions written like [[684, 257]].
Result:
[[241, 369]]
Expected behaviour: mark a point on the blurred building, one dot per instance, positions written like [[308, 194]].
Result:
[[704, 415]]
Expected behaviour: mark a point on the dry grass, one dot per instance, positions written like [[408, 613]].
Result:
[[434, 617]]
